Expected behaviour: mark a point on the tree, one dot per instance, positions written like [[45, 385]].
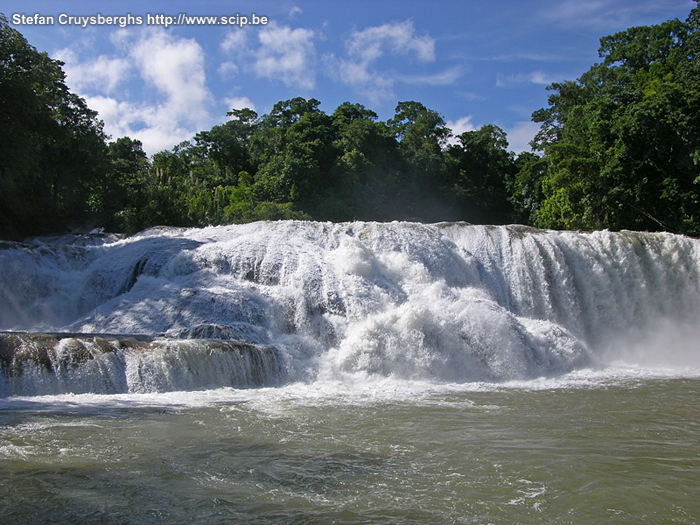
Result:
[[365, 174], [53, 155], [227, 147], [623, 142], [483, 168], [422, 137], [525, 188], [293, 148], [123, 194]]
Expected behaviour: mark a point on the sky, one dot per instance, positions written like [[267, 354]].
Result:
[[475, 62]]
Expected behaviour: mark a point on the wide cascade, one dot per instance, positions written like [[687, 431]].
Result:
[[275, 302]]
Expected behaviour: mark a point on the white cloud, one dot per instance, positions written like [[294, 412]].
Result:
[[445, 78], [175, 67], [364, 48], [103, 73], [239, 103], [228, 69], [286, 54], [234, 41], [520, 135], [536, 77], [119, 115], [373, 85], [584, 11], [294, 11], [139, 121], [171, 68], [606, 14], [458, 127], [370, 44]]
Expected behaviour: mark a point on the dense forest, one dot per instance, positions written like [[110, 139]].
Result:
[[617, 148]]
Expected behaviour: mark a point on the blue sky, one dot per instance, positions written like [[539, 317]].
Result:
[[475, 62]]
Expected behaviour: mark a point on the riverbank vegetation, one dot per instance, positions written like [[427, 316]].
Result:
[[617, 148]]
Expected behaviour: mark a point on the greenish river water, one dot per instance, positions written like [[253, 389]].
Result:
[[588, 448]]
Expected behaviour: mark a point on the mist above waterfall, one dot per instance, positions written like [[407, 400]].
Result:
[[444, 302]]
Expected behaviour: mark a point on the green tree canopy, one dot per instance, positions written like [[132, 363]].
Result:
[[53, 155], [623, 141], [483, 168]]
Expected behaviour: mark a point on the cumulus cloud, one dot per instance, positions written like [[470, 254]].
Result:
[[239, 103], [170, 68], [364, 48], [458, 127], [286, 54], [119, 117], [104, 73], [370, 44], [520, 135], [373, 85], [228, 69], [175, 67], [234, 42], [280, 54]]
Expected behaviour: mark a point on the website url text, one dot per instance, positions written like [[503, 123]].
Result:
[[131, 20]]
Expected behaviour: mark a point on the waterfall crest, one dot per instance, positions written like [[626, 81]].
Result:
[[442, 302]]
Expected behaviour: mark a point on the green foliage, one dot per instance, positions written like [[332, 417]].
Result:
[[365, 174], [422, 137], [123, 190], [53, 155], [297, 162], [622, 143], [525, 187], [483, 170], [621, 149], [243, 207], [294, 152]]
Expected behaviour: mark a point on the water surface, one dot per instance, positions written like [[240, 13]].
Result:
[[581, 449]]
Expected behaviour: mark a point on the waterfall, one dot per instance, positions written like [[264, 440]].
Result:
[[447, 302], [38, 364]]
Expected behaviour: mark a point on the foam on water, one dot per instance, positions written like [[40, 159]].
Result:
[[362, 302]]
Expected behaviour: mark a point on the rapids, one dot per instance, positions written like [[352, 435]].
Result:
[[447, 302]]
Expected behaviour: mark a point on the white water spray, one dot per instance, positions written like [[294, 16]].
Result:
[[445, 302]]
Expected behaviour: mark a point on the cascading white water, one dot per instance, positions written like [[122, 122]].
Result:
[[37, 364], [445, 302]]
